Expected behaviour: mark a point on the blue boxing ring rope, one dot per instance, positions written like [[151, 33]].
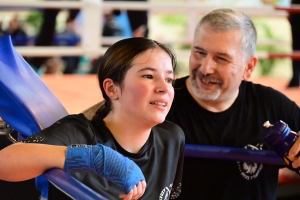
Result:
[[27, 105], [70, 186], [234, 154]]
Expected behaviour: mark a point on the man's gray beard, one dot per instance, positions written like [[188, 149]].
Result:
[[203, 95]]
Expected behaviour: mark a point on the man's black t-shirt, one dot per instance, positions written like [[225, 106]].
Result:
[[239, 126], [160, 159]]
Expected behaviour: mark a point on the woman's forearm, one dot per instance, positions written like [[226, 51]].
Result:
[[23, 161]]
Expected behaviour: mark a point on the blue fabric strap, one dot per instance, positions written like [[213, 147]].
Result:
[[105, 162]]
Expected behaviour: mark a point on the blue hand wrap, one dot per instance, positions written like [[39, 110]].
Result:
[[105, 162]]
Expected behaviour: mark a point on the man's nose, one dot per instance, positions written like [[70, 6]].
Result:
[[207, 66]]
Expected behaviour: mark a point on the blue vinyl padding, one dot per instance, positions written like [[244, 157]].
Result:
[[28, 106], [26, 103]]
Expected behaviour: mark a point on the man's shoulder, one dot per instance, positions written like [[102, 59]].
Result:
[[264, 93], [249, 87]]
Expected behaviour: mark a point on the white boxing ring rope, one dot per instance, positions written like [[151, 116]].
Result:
[[91, 43]]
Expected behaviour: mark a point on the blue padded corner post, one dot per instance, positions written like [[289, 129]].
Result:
[[26, 103], [28, 106]]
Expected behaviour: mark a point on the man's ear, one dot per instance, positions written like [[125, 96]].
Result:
[[110, 89], [251, 64]]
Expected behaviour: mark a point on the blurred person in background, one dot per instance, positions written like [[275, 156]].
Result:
[[2, 32], [68, 37], [138, 20], [47, 32], [15, 30], [294, 19]]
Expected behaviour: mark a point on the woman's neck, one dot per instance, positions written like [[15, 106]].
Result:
[[130, 135]]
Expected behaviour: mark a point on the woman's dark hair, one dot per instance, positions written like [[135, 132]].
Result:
[[117, 61]]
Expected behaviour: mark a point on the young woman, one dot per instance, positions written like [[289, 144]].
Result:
[[135, 76]]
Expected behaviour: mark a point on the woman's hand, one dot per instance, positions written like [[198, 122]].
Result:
[[135, 193]]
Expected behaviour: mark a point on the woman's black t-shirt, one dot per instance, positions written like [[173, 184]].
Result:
[[160, 159]]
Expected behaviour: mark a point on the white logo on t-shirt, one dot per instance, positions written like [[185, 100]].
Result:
[[250, 170], [166, 192]]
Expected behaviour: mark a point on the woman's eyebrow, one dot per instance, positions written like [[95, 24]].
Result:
[[147, 68], [153, 69]]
